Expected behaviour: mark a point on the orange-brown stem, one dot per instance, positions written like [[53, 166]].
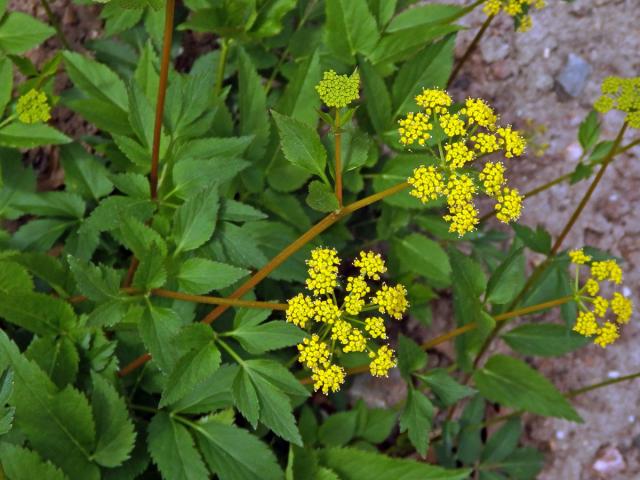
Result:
[[338, 138], [470, 49]]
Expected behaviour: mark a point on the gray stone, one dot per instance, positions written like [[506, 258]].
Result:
[[494, 49], [574, 75]]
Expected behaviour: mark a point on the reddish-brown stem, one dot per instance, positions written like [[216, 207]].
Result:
[[229, 302], [338, 138], [470, 49], [162, 92]]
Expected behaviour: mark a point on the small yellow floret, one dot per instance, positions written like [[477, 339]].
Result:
[[355, 342], [509, 205], [607, 335], [492, 7], [462, 218], [323, 270], [512, 142], [33, 107], [578, 257], [329, 378], [370, 264], [479, 112], [457, 154], [434, 100], [392, 300], [383, 361], [622, 307], [427, 183], [525, 23], [326, 311], [375, 327], [485, 142], [600, 306], [357, 288], [452, 124], [300, 310], [513, 7], [592, 287], [492, 177], [414, 128], [586, 324], [338, 90], [313, 352], [340, 331], [607, 270]]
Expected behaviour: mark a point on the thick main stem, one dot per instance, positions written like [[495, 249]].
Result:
[[338, 137], [162, 93], [470, 49]]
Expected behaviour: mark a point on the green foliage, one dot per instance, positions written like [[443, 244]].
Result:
[[97, 268]]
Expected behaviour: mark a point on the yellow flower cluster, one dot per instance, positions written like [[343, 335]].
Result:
[[621, 307], [33, 107], [519, 9], [471, 133], [338, 90], [336, 328], [621, 94]]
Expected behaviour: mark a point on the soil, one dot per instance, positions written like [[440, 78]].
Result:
[[517, 73]]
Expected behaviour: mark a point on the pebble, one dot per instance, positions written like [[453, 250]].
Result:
[[609, 462], [574, 75], [494, 49]]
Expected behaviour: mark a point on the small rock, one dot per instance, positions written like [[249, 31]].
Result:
[[574, 75], [494, 49], [609, 462]]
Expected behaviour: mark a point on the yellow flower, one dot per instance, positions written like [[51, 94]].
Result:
[[513, 7], [338, 90], [600, 306], [434, 100], [323, 270], [300, 310], [414, 128], [492, 177], [485, 142], [607, 270], [525, 23], [370, 264], [326, 311], [375, 327], [457, 154], [479, 112], [622, 307], [591, 286], [607, 334], [462, 218], [427, 183], [578, 257], [491, 7], [604, 104], [452, 124], [622, 94], [460, 190], [586, 324], [355, 342], [329, 378], [511, 141], [392, 300], [32, 107], [509, 205], [383, 361], [340, 331], [633, 119], [313, 352], [358, 288]]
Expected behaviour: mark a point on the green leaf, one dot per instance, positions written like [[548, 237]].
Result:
[[508, 279], [257, 339], [132, 184], [83, 173], [503, 442], [21, 464], [321, 197], [22, 135], [411, 357], [544, 339], [96, 283], [377, 99], [350, 29], [114, 430], [190, 371], [199, 275], [252, 105], [235, 454], [151, 272], [524, 463], [173, 451], [212, 394], [40, 234], [57, 356], [195, 220], [424, 15], [20, 32], [246, 398], [158, 327], [192, 175], [51, 204], [402, 44], [445, 387], [300, 100], [139, 238], [513, 383], [376, 424], [423, 256], [301, 145], [538, 240], [58, 424], [6, 83], [96, 80], [113, 210], [354, 464], [589, 131], [14, 278], [37, 312], [430, 68], [338, 429], [416, 420]]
